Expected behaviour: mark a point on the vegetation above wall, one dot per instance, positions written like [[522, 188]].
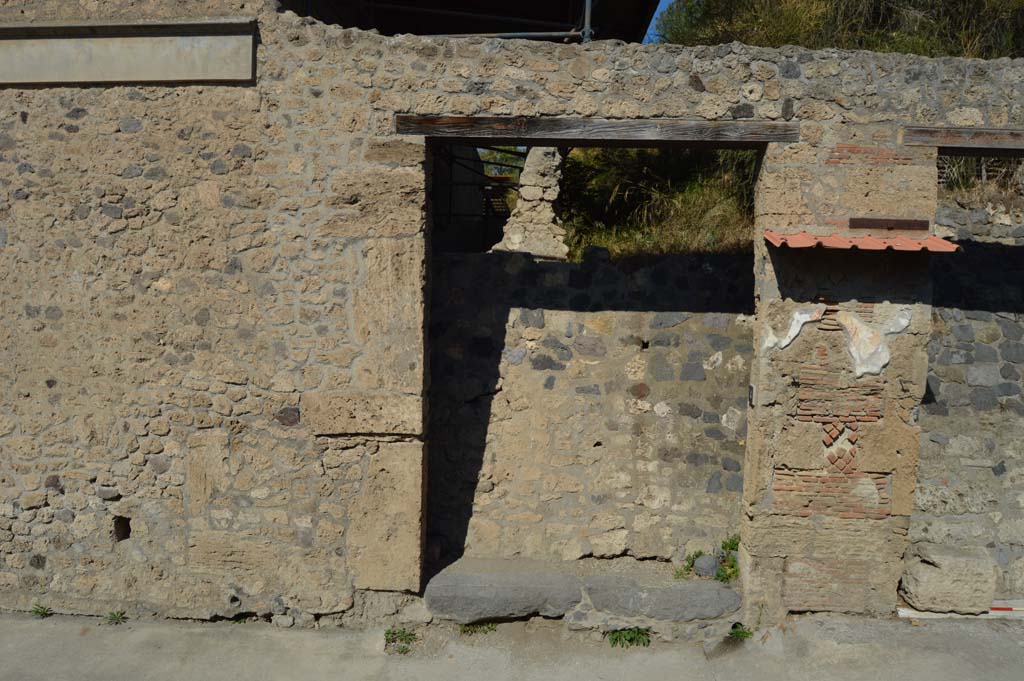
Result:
[[657, 201], [649, 201], [986, 29]]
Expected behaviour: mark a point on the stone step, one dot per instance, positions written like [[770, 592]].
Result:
[[478, 589]]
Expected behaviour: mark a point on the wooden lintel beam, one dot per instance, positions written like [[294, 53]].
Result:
[[994, 141], [552, 131], [889, 224]]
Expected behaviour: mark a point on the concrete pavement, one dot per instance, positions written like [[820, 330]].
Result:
[[823, 648]]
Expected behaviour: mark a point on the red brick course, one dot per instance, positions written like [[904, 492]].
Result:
[[831, 493]]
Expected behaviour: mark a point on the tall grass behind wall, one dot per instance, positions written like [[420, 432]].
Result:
[[658, 201]]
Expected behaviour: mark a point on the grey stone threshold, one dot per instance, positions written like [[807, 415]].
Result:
[[587, 595]]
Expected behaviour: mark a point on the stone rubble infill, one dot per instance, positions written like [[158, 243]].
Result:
[[479, 589]]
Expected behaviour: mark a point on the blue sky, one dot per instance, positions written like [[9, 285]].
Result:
[[650, 31]]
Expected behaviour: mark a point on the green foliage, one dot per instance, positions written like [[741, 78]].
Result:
[[115, 617], [731, 544], [740, 632], [41, 611], [479, 628], [399, 640], [629, 638], [687, 568], [729, 570], [657, 201], [969, 28]]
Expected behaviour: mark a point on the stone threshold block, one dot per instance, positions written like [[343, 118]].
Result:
[[591, 595]]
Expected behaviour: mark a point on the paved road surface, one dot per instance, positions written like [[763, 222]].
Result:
[[822, 648]]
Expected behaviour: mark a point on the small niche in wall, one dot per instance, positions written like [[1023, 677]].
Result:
[[122, 528]]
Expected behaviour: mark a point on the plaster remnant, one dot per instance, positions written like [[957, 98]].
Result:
[[801, 317], [868, 346]]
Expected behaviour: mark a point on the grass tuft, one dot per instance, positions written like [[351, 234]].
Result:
[[399, 640], [115, 617], [41, 611], [478, 628], [657, 202], [629, 638]]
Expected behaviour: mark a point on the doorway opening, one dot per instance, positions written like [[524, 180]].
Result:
[[589, 376]]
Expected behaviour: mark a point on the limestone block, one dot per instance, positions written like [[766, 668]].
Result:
[[942, 578], [386, 522], [205, 468], [376, 202], [352, 412], [213, 551], [388, 309]]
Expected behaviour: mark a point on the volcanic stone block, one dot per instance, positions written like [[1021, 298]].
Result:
[[675, 601], [475, 589]]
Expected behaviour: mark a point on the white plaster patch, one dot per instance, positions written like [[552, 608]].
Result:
[[867, 346], [662, 409], [801, 317], [713, 362], [731, 418]]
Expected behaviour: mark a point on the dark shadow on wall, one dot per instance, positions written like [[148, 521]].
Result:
[[982, 276], [813, 275], [472, 297]]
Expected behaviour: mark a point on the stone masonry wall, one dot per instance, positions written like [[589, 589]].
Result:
[[587, 409], [971, 476], [213, 312]]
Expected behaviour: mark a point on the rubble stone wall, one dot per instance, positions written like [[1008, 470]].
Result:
[[587, 409], [970, 490], [213, 312]]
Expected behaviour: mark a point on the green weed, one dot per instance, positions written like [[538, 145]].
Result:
[[729, 570], [740, 632], [732, 543], [41, 611], [687, 569], [629, 638], [479, 628], [399, 640], [115, 617]]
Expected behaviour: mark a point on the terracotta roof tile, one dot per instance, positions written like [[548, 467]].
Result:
[[929, 243]]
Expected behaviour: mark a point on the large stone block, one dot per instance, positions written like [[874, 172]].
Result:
[[386, 526], [943, 578], [475, 589], [670, 601], [377, 202], [388, 314], [347, 412]]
